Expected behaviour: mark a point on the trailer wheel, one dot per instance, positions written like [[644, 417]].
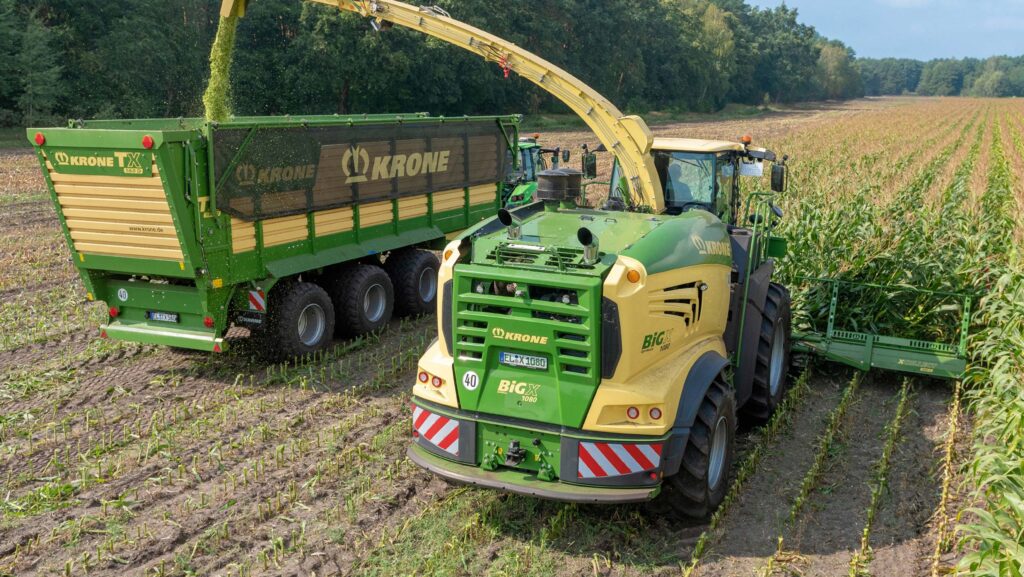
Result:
[[414, 276], [772, 364], [300, 320], [701, 483], [364, 299]]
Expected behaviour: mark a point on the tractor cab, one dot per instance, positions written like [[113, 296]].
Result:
[[531, 159], [697, 175]]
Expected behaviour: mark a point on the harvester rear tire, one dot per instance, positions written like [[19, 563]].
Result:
[[300, 321], [703, 478], [772, 363], [364, 299], [414, 276]]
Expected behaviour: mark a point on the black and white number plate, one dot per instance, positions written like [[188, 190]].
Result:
[[523, 361], [162, 317]]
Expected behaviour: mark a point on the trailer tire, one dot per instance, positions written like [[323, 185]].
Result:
[[772, 362], [414, 276], [702, 481], [300, 321], [364, 299]]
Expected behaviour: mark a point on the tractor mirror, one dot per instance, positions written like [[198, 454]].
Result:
[[589, 165], [779, 178], [566, 155]]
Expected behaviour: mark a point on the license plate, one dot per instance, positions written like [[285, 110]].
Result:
[[163, 317], [523, 361]]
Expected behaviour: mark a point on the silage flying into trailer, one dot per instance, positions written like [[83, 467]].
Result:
[[264, 172]]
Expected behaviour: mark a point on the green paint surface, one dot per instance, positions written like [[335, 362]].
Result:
[[217, 99]]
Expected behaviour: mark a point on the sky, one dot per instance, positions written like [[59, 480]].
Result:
[[922, 29]]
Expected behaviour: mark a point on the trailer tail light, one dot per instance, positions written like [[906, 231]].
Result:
[[208, 321], [40, 139], [599, 460], [114, 311], [148, 142]]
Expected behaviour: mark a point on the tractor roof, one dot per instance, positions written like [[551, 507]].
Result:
[[695, 145]]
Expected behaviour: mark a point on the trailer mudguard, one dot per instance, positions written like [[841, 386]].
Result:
[[698, 381]]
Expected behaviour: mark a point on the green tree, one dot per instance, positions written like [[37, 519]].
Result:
[[10, 76], [40, 71]]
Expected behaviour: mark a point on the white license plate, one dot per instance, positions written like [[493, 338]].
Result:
[[523, 361], [163, 317]]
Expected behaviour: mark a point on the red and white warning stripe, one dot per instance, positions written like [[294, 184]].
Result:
[[257, 301], [598, 460], [440, 431]]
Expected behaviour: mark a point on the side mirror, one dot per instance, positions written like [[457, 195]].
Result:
[[566, 155], [589, 165], [780, 178]]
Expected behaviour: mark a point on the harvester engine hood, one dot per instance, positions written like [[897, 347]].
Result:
[[529, 306]]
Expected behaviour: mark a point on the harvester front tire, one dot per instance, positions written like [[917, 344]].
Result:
[[772, 364], [703, 478], [414, 276], [300, 321], [364, 299]]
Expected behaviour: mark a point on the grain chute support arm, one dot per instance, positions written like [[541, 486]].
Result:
[[628, 137]]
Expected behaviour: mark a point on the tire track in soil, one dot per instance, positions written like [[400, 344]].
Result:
[[751, 528], [899, 536], [829, 531]]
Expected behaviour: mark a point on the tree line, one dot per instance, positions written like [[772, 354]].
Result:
[[998, 76], [149, 58]]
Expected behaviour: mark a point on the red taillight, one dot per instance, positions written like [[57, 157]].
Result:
[[633, 413], [103, 334], [437, 382], [147, 142], [424, 377], [655, 413], [208, 321], [40, 139], [114, 312], [216, 348]]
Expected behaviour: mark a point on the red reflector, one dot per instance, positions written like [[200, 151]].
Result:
[[437, 382], [147, 142], [216, 348], [40, 139], [654, 476], [415, 433], [208, 321], [103, 334], [633, 413], [114, 312], [424, 377]]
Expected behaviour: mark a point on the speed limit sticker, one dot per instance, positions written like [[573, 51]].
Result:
[[471, 380]]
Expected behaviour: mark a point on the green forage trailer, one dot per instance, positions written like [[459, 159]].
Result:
[[298, 228]]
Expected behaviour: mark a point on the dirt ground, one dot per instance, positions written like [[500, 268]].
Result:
[[120, 459]]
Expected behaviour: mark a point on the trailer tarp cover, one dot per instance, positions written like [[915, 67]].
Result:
[[279, 171]]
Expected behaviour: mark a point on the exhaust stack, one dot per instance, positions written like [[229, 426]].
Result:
[[591, 246], [514, 224]]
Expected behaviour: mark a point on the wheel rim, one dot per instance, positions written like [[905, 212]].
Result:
[[428, 285], [374, 302], [778, 357], [312, 323], [719, 446]]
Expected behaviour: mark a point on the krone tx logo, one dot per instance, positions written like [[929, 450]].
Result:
[[61, 157]]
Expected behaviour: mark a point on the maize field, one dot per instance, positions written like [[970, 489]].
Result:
[[120, 459]]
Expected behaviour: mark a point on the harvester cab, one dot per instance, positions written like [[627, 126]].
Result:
[[603, 355]]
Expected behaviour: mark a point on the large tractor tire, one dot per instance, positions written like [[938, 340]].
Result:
[[703, 478], [414, 275], [364, 299], [300, 321], [772, 363]]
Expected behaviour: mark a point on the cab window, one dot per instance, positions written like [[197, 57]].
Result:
[[688, 180]]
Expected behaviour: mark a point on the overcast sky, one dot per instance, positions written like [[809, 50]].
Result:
[[922, 29]]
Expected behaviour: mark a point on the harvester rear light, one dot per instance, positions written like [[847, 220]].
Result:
[[148, 142], [114, 311], [437, 382], [633, 413], [655, 413], [208, 321], [40, 139], [424, 377]]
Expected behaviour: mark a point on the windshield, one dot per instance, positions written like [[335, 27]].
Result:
[[529, 168], [689, 178]]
